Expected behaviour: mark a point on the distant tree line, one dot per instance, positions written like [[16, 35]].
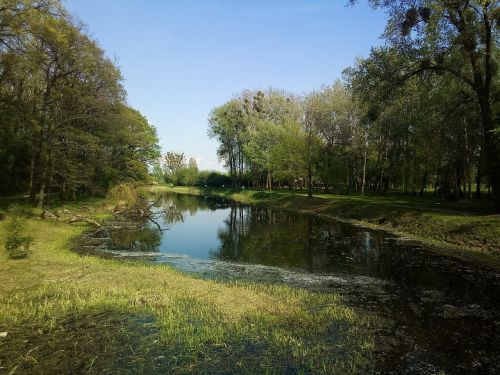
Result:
[[65, 127], [420, 113], [173, 169]]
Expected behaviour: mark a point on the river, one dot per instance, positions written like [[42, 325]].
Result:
[[440, 314]]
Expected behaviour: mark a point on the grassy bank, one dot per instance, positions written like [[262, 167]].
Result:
[[464, 230], [64, 313]]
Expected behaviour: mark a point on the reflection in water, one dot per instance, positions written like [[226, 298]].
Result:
[[170, 213], [135, 239], [142, 236], [444, 313], [281, 238]]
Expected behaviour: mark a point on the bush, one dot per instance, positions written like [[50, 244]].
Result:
[[213, 179], [2, 215], [17, 244], [124, 193]]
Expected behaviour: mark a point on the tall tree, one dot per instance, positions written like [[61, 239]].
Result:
[[458, 38], [64, 124], [227, 124], [173, 162]]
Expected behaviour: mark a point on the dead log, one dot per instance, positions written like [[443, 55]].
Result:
[[82, 219], [48, 215]]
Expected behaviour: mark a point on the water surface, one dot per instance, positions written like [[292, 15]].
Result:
[[442, 314]]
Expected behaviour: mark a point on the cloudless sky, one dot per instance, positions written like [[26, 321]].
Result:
[[180, 58]]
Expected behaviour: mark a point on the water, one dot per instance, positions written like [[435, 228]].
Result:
[[442, 314]]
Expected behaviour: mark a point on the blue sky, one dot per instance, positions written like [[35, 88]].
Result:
[[181, 58]]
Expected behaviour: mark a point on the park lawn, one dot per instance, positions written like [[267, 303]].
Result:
[[469, 231], [63, 312]]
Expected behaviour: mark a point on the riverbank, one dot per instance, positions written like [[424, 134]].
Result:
[[467, 232], [65, 313]]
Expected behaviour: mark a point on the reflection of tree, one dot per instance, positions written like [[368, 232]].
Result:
[[173, 207], [171, 214], [137, 239], [282, 238], [263, 236]]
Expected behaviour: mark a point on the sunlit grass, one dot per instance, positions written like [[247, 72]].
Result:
[[103, 314]]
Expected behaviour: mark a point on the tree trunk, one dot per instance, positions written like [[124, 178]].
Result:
[[363, 181], [62, 191], [232, 171], [327, 175], [309, 163], [32, 171], [478, 178], [41, 192], [492, 151], [483, 92], [269, 183], [240, 167], [424, 184]]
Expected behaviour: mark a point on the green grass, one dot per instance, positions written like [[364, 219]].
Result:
[[466, 230], [68, 313]]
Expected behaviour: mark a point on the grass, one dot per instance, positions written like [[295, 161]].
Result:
[[69, 313], [465, 230]]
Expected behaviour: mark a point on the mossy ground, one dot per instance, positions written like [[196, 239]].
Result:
[[66, 313], [465, 230]]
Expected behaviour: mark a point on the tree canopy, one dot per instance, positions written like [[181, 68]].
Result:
[[66, 128], [420, 113]]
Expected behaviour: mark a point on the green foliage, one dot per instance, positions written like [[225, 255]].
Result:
[[260, 133], [212, 179], [65, 128], [453, 47], [420, 112], [191, 173], [17, 244], [157, 174], [173, 161]]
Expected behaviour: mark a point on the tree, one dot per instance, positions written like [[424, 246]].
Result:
[[439, 36], [427, 130], [64, 126], [191, 173], [334, 117], [260, 149], [227, 124], [174, 162]]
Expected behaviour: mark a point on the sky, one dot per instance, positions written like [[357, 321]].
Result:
[[181, 58]]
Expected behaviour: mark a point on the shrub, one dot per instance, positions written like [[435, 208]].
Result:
[[124, 193], [213, 179], [17, 243]]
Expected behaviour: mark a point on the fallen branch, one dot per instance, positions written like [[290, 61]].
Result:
[[156, 223], [82, 219], [47, 215]]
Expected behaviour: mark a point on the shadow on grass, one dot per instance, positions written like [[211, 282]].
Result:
[[107, 341], [92, 342]]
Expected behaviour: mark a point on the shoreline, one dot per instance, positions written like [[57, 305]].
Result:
[[64, 312], [438, 229]]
